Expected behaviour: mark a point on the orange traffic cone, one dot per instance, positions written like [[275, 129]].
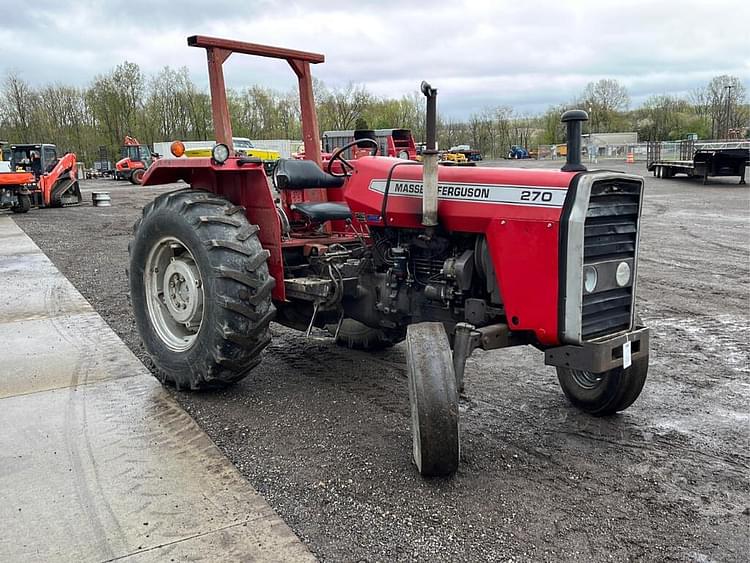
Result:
[[630, 159]]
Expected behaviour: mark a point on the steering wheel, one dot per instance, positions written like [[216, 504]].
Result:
[[345, 163]]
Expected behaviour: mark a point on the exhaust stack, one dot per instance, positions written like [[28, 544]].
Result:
[[430, 161], [573, 118]]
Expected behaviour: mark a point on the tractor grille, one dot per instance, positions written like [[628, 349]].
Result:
[[610, 233]]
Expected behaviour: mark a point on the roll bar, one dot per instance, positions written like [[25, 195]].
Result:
[[218, 50]]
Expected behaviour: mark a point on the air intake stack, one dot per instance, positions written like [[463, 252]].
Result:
[[430, 160], [573, 118]]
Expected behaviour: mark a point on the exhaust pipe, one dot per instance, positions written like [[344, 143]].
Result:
[[430, 161], [573, 118]]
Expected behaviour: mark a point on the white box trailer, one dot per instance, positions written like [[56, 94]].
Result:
[[285, 147]]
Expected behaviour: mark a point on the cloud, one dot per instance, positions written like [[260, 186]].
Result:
[[478, 53]]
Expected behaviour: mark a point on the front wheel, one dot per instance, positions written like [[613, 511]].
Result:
[[603, 394], [200, 289], [434, 400], [23, 205], [137, 176]]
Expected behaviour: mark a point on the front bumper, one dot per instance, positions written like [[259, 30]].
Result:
[[600, 355]]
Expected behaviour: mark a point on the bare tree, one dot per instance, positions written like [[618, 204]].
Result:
[[604, 99], [17, 104], [340, 108], [722, 101]]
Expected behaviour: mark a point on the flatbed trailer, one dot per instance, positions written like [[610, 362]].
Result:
[[701, 160]]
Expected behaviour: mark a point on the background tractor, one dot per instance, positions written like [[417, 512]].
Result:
[[50, 182], [518, 152], [381, 250], [136, 159]]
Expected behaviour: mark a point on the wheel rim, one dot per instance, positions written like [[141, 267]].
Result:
[[174, 294], [586, 379]]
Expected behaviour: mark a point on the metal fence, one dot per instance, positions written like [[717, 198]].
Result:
[[667, 150]]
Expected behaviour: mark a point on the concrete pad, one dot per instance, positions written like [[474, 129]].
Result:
[[63, 350], [97, 461], [37, 290]]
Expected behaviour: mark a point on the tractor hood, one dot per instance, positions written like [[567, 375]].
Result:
[[388, 191]]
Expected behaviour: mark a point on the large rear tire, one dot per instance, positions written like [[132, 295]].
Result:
[[357, 336], [200, 289], [604, 394], [434, 400]]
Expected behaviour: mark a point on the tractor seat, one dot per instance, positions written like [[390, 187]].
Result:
[[302, 175], [323, 211]]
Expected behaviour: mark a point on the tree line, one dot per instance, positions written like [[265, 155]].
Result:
[[169, 105]]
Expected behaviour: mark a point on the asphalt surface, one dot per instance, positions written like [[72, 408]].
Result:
[[323, 433]]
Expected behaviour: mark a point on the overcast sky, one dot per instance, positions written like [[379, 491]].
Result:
[[478, 54]]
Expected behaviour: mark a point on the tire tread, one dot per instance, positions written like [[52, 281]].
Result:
[[242, 289]]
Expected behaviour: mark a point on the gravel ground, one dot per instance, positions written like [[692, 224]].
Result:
[[323, 433]]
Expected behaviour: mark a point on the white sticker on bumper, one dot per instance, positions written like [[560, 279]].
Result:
[[626, 356]]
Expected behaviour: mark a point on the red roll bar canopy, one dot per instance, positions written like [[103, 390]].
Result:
[[218, 51]]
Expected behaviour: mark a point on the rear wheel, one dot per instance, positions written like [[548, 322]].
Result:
[[434, 400], [23, 205], [603, 394], [137, 176], [200, 289], [357, 336]]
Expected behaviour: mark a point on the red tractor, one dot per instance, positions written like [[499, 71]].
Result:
[[38, 178], [384, 250], [136, 159]]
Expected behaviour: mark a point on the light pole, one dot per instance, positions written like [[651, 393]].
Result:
[[728, 87]]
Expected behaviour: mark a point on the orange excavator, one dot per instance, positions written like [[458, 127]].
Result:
[[137, 158], [34, 176]]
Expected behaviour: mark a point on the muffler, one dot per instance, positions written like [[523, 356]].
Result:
[[430, 161], [573, 119]]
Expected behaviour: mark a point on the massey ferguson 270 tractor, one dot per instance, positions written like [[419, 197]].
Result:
[[384, 249]]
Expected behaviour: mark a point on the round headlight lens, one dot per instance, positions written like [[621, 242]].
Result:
[[622, 275], [590, 277], [403, 155], [220, 153]]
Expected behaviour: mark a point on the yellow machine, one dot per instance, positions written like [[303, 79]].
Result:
[[244, 147], [457, 157], [262, 154]]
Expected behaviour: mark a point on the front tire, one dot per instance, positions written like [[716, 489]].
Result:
[[434, 400], [136, 177], [24, 204], [607, 393], [200, 289]]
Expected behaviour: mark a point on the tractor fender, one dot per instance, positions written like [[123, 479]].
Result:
[[243, 183]]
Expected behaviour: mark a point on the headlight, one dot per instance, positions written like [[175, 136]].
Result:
[[590, 277], [622, 275], [403, 155], [220, 153]]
